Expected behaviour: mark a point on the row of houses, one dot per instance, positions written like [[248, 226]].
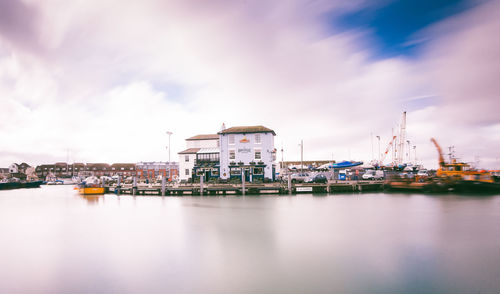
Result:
[[140, 169], [235, 152]]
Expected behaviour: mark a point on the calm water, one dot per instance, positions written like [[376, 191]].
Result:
[[55, 241]]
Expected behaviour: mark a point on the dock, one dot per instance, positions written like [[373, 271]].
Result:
[[281, 188]]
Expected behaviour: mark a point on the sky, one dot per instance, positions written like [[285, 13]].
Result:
[[104, 81]]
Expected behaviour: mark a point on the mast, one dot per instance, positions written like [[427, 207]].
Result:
[[402, 140]]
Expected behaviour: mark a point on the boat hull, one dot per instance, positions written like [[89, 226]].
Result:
[[20, 185], [91, 190], [477, 187]]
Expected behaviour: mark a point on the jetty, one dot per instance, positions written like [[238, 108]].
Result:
[[206, 189]]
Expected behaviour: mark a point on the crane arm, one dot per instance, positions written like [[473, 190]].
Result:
[[387, 149], [441, 158]]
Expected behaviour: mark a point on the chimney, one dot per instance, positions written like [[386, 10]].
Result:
[[223, 127]]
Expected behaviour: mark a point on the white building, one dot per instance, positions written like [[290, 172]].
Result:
[[249, 148], [200, 144]]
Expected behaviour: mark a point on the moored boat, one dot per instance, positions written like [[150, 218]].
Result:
[[85, 190], [20, 185], [91, 186]]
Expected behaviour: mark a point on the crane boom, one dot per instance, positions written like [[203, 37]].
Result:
[[441, 158], [387, 149]]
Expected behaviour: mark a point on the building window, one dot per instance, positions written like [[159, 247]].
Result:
[[258, 154], [235, 171], [214, 172], [187, 171], [232, 154], [257, 139], [186, 158], [258, 171], [231, 139]]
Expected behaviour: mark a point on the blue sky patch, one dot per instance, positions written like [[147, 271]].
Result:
[[392, 26]]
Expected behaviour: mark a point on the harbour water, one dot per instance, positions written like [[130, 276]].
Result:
[[56, 241]]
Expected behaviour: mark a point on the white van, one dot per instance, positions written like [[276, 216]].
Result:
[[373, 175]]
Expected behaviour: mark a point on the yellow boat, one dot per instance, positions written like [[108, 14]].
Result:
[[91, 186], [91, 190], [456, 171]]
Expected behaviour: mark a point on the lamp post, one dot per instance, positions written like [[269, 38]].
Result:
[[169, 169], [371, 139], [409, 151], [415, 149], [301, 156], [378, 137]]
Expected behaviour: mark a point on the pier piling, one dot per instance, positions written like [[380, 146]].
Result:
[[289, 184], [201, 185], [163, 183], [118, 185], [243, 181]]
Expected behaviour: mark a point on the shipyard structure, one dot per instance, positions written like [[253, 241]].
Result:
[[232, 153]]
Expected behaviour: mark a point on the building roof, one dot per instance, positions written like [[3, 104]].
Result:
[[190, 151], [208, 150], [247, 130], [123, 165], [204, 137]]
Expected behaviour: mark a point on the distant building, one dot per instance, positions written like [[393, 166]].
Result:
[[18, 168], [4, 170], [43, 170], [151, 170], [247, 148], [123, 169], [59, 169], [98, 169], [202, 151]]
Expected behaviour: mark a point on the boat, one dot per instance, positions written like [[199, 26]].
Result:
[[409, 185], [462, 177], [345, 164], [31, 184], [91, 186], [20, 185]]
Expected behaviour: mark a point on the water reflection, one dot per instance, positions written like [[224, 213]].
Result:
[[92, 199], [370, 243]]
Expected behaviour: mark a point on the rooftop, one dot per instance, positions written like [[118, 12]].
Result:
[[204, 137], [208, 150], [247, 130], [190, 151]]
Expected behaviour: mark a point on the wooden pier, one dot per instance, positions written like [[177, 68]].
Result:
[[204, 189]]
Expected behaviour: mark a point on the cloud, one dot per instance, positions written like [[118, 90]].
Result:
[[18, 23], [466, 63]]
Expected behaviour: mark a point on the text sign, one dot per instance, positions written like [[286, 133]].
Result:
[[304, 189]]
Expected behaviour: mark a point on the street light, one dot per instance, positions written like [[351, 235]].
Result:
[[169, 169], [409, 151], [378, 137], [415, 149], [301, 156]]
